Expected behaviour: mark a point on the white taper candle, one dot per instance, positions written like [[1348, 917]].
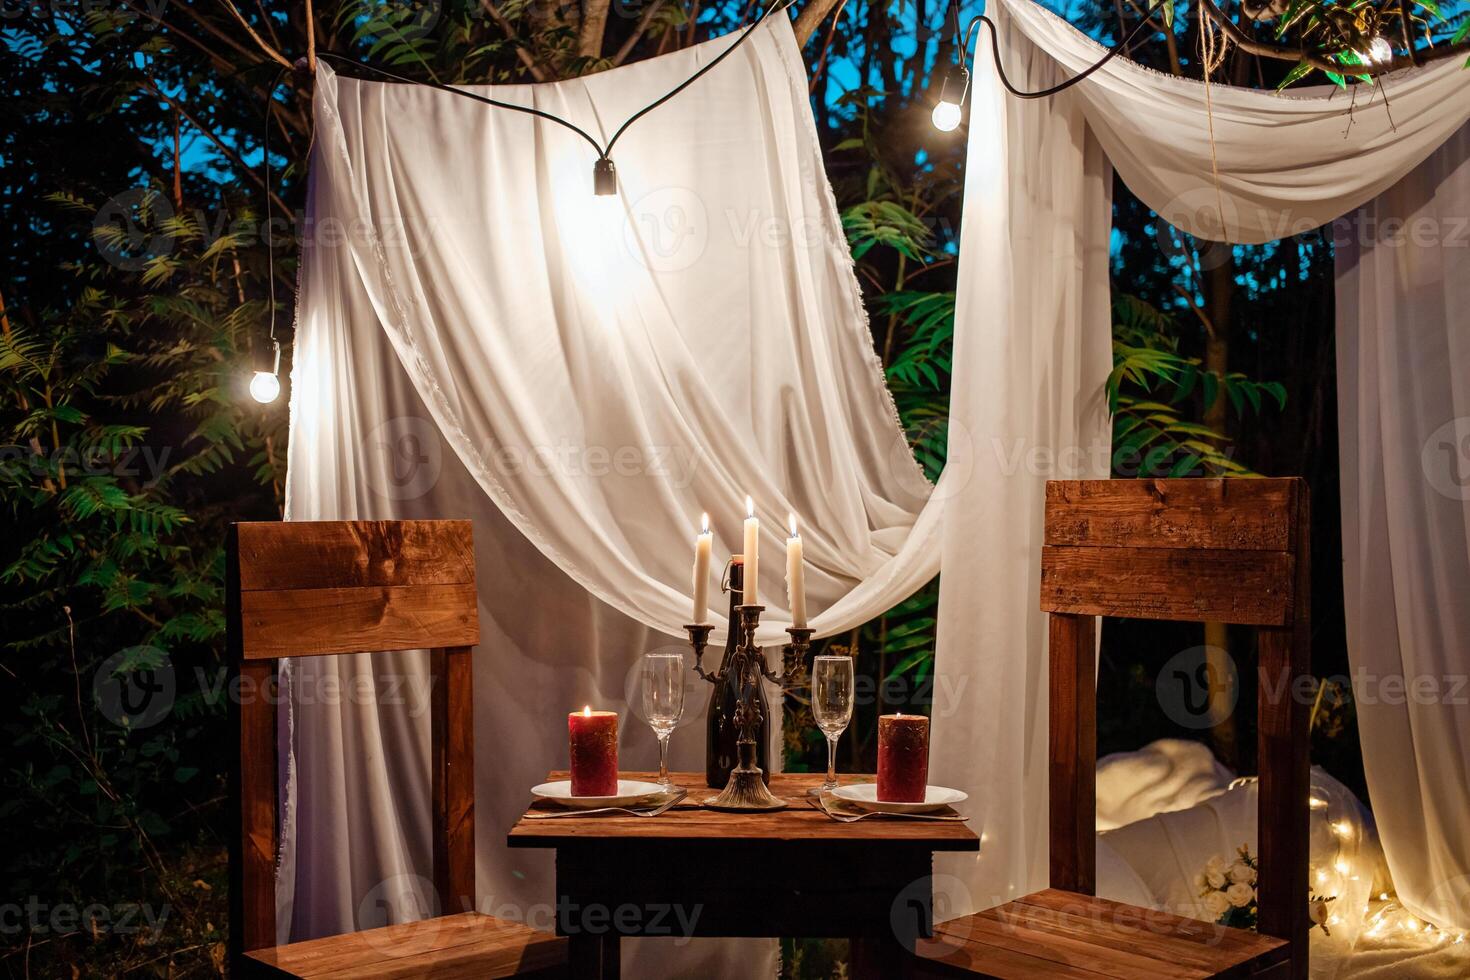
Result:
[[752, 555], [795, 585], [703, 543]]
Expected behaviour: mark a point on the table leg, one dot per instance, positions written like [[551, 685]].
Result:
[[593, 957], [877, 958]]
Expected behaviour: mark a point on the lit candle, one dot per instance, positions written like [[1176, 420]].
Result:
[[903, 758], [703, 542], [752, 555], [795, 586], [594, 750]]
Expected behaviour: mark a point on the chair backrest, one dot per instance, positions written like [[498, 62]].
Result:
[[1231, 551], [308, 588]]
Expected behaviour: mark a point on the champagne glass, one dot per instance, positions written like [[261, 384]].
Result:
[[832, 692], [662, 679]]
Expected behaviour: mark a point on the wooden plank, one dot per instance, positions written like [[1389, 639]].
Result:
[[1245, 587], [451, 947], [1073, 752], [452, 765], [1283, 725], [799, 822], [311, 622], [1014, 927], [1183, 513], [1110, 919], [277, 556], [253, 845], [252, 786], [951, 956]]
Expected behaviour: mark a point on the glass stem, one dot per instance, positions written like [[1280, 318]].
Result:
[[663, 760], [831, 761]]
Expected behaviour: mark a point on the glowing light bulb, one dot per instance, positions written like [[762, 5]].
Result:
[[1342, 867], [1317, 803], [946, 116], [1342, 828], [1379, 52], [264, 387]]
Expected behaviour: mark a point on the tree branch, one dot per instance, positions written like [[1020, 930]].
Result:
[[594, 25], [810, 19], [223, 148], [1248, 44], [639, 30], [271, 52], [522, 52]]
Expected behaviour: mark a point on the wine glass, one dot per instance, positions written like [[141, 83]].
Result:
[[832, 688], [662, 678]]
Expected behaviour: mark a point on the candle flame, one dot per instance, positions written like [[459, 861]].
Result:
[[586, 711], [792, 519], [703, 523], [749, 506]]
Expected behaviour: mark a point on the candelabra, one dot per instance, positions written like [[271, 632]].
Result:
[[746, 789]]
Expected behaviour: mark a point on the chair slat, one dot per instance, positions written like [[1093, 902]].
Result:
[[312, 622], [279, 556], [1172, 514], [1253, 588]]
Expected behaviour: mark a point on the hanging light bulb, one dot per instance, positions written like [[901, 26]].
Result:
[[1380, 52], [948, 109], [266, 385]]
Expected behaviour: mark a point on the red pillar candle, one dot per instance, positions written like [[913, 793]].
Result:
[[903, 758], [594, 751]]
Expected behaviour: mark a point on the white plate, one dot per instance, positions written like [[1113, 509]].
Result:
[[630, 791], [865, 797]]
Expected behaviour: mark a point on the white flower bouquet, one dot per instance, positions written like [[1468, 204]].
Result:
[[1229, 892]]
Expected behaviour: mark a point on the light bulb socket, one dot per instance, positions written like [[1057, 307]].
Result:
[[604, 177], [952, 84], [268, 361]]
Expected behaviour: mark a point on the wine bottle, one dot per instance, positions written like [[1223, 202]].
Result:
[[721, 736]]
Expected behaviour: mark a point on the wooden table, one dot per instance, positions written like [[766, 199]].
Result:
[[699, 872]]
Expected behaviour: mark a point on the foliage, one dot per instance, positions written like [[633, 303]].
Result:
[[1149, 391]]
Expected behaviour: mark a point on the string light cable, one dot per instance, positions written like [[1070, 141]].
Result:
[[948, 113], [604, 174]]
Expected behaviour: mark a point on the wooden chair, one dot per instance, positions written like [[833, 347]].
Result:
[[305, 589], [1233, 551]]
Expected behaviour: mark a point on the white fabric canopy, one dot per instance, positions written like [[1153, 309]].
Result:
[[1287, 163], [1403, 301], [480, 336], [1032, 310]]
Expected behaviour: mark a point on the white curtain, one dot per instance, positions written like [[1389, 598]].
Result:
[[1403, 300], [1031, 324]]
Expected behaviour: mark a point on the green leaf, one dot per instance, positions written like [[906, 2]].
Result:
[[1302, 70]]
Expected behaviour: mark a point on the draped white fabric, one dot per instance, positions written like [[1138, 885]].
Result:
[[480, 336], [1286, 163], [1031, 323], [1403, 289], [608, 368], [1032, 331]]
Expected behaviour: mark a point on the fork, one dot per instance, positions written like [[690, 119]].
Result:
[[855, 817], [667, 804]]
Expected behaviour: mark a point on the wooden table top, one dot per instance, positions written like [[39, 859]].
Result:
[[691, 822]]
